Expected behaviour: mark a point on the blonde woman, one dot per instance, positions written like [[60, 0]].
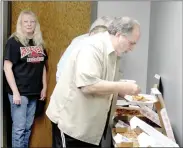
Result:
[[24, 66]]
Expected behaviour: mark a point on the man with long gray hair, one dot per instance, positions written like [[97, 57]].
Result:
[[83, 101]]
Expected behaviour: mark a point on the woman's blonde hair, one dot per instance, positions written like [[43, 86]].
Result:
[[37, 35]]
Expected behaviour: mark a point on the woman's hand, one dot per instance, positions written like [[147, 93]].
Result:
[[43, 94], [16, 99]]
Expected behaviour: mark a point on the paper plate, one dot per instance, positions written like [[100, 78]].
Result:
[[126, 80], [151, 99]]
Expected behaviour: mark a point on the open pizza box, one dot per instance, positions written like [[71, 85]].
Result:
[[125, 114], [140, 134], [150, 137], [142, 109], [145, 135], [159, 117], [125, 137], [162, 114]]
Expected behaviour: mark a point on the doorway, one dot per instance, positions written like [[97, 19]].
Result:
[[60, 22]]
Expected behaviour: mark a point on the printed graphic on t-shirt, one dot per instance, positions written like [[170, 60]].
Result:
[[34, 54]]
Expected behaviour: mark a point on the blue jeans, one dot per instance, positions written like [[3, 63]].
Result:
[[22, 116]]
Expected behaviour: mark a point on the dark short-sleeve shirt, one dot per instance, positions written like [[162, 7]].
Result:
[[28, 63]]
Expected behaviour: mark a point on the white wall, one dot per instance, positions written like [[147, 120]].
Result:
[[165, 58], [134, 64], [159, 51]]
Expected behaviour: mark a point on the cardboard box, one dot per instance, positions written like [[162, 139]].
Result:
[[126, 113], [125, 144], [127, 117], [156, 137], [128, 133], [163, 115]]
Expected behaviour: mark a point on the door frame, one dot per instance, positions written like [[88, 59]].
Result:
[[5, 31]]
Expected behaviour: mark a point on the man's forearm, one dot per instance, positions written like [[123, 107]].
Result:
[[102, 88]]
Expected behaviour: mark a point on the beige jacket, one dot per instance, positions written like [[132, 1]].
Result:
[[78, 115]]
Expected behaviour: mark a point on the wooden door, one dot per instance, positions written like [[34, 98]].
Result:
[[60, 22]]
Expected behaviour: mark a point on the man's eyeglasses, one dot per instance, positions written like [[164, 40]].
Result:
[[132, 43]]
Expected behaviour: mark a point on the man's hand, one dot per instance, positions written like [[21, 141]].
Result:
[[128, 88], [16, 99], [43, 94]]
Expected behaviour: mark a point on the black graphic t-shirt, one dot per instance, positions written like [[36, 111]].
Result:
[[28, 63]]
